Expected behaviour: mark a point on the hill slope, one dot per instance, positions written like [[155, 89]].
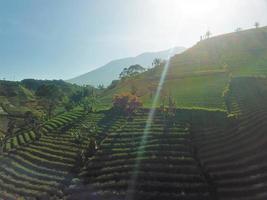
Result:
[[244, 53], [109, 72], [198, 76]]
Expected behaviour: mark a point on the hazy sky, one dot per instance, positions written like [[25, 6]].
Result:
[[63, 38]]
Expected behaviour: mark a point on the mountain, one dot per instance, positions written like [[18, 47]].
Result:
[[199, 76], [109, 72]]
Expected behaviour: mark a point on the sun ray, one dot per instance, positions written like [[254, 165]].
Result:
[[140, 152]]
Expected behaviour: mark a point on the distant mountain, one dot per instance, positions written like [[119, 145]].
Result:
[[109, 72]]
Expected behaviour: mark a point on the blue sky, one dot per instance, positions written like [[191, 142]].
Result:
[[60, 39]]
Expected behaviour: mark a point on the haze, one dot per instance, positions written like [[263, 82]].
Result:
[[62, 39]]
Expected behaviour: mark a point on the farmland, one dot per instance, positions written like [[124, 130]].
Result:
[[204, 139], [205, 155]]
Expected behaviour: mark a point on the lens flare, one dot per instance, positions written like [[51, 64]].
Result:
[[141, 149]]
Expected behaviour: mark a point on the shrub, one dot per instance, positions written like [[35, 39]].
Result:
[[169, 111], [126, 103]]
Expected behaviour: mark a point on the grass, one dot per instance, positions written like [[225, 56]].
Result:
[[234, 156], [202, 154], [55, 124], [203, 91], [113, 166], [168, 164], [198, 76]]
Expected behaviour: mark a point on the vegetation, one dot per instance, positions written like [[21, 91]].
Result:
[[126, 103], [197, 77], [132, 71], [168, 111], [206, 138], [49, 98]]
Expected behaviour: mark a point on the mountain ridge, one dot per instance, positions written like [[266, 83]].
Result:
[[110, 71]]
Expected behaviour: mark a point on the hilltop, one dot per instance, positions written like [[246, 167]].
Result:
[[109, 72], [198, 76]]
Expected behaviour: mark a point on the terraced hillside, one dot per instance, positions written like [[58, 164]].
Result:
[[195, 158], [235, 156], [39, 169], [198, 76], [24, 137], [43, 167], [38, 165], [158, 164], [193, 161]]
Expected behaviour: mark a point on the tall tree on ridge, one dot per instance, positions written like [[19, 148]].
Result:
[[257, 24]]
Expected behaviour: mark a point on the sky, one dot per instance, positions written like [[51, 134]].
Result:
[[60, 39]]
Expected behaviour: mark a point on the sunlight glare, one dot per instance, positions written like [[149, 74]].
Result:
[[141, 148]]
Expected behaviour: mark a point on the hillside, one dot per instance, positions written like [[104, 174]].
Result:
[[109, 72], [14, 93], [20, 96], [204, 155], [243, 53], [198, 76]]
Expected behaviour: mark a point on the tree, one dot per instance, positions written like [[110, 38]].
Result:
[[169, 111], [126, 103], [67, 103], [93, 100], [156, 62], [2, 142], [100, 87], [123, 74], [238, 29], [257, 24], [133, 70], [77, 135], [152, 87], [113, 84], [89, 103], [11, 126], [49, 98], [133, 89], [208, 34], [30, 119]]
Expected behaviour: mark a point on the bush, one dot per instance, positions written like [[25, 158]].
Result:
[[169, 111], [126, 103]]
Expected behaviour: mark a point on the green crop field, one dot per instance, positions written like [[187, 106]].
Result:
[[204, 90], [210, 145]]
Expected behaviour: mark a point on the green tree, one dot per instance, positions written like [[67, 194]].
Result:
[[133, 70], [67, 103], [168, 111], [11, 126], [31, 120], [90, 102], [113, 84], [49, 98]]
